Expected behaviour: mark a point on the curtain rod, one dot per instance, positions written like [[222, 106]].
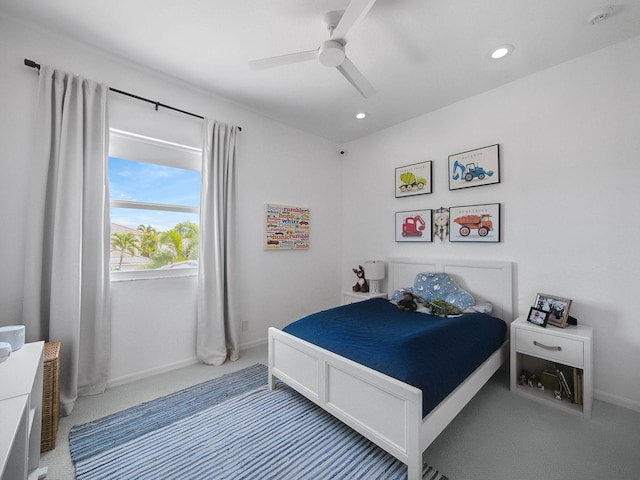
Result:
[[32, 64]]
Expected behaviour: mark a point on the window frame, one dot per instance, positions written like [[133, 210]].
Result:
[[141, 148]]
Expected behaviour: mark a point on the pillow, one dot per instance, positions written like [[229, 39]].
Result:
[[482, 307], [397, 295], [440, 286]]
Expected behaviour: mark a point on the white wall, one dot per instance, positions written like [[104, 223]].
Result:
[[569, 144], [154, 320]]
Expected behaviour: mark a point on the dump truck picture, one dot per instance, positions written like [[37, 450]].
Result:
[[482, 223], [410, 181]]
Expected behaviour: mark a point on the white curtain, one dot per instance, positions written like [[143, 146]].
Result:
[[218, 331], [66, 295]]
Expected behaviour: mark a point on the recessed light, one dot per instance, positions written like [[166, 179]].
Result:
[[360, 115], [501, 51]]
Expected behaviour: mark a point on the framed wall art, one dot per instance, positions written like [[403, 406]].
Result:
[[413, 179], [474, 168], [475, 223], [286, 228], [414, 226], [557, 307]]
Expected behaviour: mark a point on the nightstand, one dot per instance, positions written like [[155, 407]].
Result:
[[353, 297], [537, 349]]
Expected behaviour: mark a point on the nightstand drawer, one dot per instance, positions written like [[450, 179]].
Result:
[[552, 347]]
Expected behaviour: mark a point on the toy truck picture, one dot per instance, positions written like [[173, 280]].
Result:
[[469, 171], [410, 181], [413, 226], [482, 223]]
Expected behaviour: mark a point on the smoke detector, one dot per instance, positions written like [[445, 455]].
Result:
[[600, 15]]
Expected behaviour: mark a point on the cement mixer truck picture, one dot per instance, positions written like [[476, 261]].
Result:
[[413, 179], [410, 182]]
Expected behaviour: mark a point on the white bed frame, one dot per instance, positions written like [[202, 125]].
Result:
[[384, 410]]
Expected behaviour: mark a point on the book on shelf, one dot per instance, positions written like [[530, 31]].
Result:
[[571, 383], [565, 385]]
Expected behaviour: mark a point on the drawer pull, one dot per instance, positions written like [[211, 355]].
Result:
[[547, 347]]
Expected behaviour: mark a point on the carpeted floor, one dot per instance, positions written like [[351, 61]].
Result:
[[231, 427]]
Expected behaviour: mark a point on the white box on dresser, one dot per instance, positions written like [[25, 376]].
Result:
[[571, 346], [353, 297]]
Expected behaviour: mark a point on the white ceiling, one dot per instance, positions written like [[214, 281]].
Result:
[[420, 55]]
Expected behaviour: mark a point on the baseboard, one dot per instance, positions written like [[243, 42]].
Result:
[[617, 400], [114, 382], [253, 343]]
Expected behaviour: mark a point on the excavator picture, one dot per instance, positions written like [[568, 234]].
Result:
[[413, 226], [469, 171]]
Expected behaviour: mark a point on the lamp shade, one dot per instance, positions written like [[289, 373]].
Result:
[[374, 270]]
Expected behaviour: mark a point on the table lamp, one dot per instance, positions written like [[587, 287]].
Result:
[[374, 272]]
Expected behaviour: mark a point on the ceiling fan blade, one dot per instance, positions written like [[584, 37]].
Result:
[[356, 10], [351, 73], [283, 60]]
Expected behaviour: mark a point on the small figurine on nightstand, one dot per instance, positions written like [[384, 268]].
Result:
[[528, 378], [408, 303], [361, 285]]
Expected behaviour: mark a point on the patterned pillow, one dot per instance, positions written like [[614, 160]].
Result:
[[440, 286], [397, 295]]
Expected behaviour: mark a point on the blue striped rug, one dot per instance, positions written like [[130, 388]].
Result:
[[232, 427]]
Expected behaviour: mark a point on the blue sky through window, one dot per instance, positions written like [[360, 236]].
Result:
[[151, 183]]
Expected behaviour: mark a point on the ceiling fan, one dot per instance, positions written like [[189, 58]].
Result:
[[331, 53]]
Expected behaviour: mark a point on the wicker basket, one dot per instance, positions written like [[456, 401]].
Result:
[[50, 396]]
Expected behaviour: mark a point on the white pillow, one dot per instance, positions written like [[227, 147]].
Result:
[[481, 307]]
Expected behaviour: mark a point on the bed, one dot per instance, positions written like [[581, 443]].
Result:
[[356, 394]]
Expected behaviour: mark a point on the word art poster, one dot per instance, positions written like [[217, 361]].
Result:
[[287, 228]]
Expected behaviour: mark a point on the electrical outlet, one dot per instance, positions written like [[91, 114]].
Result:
[[245, 325]]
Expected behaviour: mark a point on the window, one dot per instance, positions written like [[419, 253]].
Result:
[[154, 187]]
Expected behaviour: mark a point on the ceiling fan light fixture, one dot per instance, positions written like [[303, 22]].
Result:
[[501, 51], [360, 115], [331, 53]]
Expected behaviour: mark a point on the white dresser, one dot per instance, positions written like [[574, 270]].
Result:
[[21, 413]]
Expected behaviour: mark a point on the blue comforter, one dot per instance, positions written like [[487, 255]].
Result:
[[431, 353]]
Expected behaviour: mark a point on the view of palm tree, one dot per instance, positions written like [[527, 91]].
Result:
[[148, 241], [125, 242], [160, 249]]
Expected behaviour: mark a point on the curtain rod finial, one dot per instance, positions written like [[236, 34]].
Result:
[[31, 63]]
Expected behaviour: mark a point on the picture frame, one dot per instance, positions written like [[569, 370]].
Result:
[[413, 179], [538, 317], [474, 168], [475, 223], [557, 307], [414, 226], [286, 227]]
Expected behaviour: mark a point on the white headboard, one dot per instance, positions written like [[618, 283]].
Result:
[[486, 280]]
